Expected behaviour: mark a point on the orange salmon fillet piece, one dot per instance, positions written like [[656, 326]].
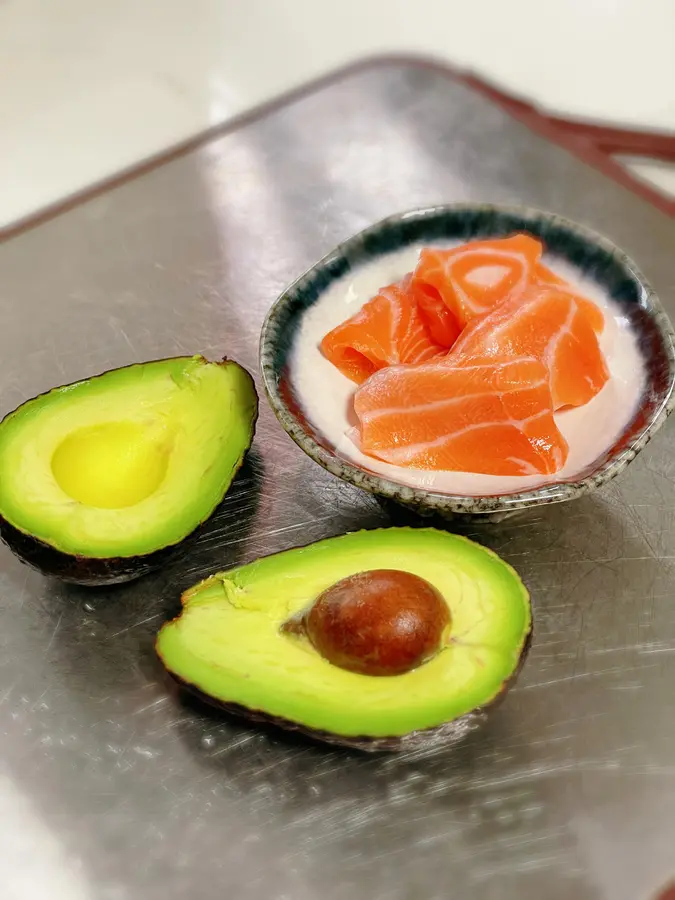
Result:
[[393, 328], [473, 278], [444, 329], [551, 324], [494, 418]]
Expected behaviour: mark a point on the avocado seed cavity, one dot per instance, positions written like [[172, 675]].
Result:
[[112, 465], [380, 622]]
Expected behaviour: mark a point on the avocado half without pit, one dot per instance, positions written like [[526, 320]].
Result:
[[101, 481], [382, 640]]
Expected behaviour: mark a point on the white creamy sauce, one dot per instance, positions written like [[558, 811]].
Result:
[[326, 394]]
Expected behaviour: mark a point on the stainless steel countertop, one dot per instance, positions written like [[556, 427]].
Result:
[[110, 787]]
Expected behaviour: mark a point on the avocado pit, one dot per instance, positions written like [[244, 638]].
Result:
[[378, 622], [241, 642]]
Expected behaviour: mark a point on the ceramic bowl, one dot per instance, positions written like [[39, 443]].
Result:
[[593, 255]]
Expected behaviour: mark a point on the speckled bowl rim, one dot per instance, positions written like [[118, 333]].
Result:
[[434, 501]]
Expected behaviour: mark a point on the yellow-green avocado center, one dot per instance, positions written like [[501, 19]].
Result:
[[113, 465], [229, 643], [129, 461]]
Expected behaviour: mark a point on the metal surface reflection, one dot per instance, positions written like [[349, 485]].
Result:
[[569, 790]]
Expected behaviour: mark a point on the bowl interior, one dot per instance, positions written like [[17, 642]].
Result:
[[592, 255]]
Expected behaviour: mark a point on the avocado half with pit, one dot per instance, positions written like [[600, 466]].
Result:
[[101, 480], [382, 640]]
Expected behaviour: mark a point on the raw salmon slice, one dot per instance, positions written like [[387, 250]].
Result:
[[392, 328], [443, 327], [494, 419], [473, 278], [544, 275], [551, 324]]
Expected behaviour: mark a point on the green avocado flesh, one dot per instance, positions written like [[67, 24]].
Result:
[[227, 640], [129, 461]]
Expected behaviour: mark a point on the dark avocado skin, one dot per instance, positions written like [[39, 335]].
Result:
[[88, 571], [102, 571], [428, 739]]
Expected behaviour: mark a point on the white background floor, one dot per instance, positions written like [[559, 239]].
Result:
[[88, 87]]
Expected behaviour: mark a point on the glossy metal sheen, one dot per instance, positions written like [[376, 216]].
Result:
[[110, 787]]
